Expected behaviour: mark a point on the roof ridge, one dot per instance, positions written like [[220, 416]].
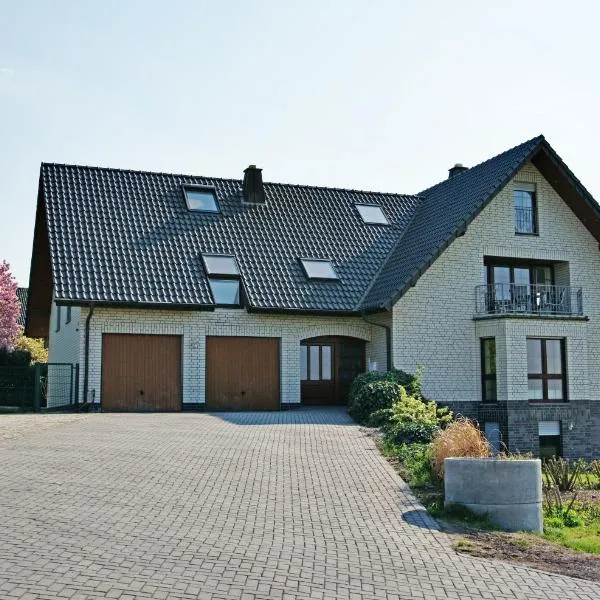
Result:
[[228, 179], [538, 138]]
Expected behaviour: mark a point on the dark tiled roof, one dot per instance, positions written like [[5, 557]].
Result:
[[22, 296], [127, 236], [445, 211]]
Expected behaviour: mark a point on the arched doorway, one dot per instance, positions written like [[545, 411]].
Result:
[[328, 364]]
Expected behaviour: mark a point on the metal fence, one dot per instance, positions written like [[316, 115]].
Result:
[[43, 385]]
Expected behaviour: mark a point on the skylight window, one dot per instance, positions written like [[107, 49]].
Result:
[[225, 291], [372, 214], [201, 199], [221, 264], [318, 268], [223, 278]]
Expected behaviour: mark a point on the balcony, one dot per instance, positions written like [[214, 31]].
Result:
[[543, 300]]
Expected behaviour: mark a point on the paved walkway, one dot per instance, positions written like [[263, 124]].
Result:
[[264, 505]]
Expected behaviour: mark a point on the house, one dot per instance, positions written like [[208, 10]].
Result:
[[177, 292], [22, 297]]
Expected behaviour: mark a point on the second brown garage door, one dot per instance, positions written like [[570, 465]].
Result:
[[242, 373], [141, 372]]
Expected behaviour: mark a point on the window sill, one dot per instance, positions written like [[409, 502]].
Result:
[[527, 234], [548, 402]]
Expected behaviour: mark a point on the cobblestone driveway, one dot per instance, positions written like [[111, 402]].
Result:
[[265, 505]]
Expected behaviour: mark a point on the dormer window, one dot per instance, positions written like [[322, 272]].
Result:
[[201, 199], [525, 208], [319, 269], [223, 278], [372, 214]]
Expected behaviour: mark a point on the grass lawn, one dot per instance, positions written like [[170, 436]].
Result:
[[584, 538]]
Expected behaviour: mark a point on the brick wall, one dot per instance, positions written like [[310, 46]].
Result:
[[194, 326], [434, 326]]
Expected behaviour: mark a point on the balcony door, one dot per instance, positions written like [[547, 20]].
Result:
[[519, 287]]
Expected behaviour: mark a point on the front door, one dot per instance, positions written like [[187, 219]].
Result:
[[327, 367]]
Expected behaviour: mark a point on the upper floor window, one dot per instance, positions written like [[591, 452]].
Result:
[[225, 291], [372, 214], [318, 268], [488, 369], [525, 208], [223, 278], [546, 370], [201, 198]]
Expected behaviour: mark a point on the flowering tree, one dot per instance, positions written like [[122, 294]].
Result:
[[9, 307]]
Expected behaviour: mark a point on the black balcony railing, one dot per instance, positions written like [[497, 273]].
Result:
[[501, 298], [524, 220]]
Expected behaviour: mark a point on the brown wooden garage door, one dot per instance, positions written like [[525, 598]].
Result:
[[242, 373], [141, 372]]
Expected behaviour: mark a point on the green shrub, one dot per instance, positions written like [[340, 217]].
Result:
[[411, 420], [14, 358], [373, 397], [415, 463], [364, 400]]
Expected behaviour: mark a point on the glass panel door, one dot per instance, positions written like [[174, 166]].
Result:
[[521, 290]]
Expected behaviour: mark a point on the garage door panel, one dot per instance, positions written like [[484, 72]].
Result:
[[242, 373], [141, 372]]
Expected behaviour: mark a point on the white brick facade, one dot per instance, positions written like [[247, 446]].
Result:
[[195, 326], [433, 321]]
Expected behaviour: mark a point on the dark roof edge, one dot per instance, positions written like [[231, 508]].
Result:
[[226, 179], [126, 304], [573, 180], [304, 311], [462, 227]]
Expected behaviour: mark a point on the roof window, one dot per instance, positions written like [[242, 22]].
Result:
[[223, 278], [201, 199], [221, 264], [318, 268], [372, 214]]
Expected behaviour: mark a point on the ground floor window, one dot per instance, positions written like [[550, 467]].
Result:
[[550, 439], [546, 370], [488, 369]]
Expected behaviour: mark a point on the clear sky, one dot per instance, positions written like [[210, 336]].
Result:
[[381, 95]]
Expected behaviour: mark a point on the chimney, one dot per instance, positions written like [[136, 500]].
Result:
[[456, 169], [254, 190]]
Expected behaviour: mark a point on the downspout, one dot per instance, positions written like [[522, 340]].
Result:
[[388, 341], [86, 369]]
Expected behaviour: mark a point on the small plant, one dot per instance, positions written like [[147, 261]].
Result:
[[462, 438], [411, 419], [415, 459], [592, 475], [561, 474]]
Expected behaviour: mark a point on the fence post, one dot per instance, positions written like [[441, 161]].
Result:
[[37, 390]]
